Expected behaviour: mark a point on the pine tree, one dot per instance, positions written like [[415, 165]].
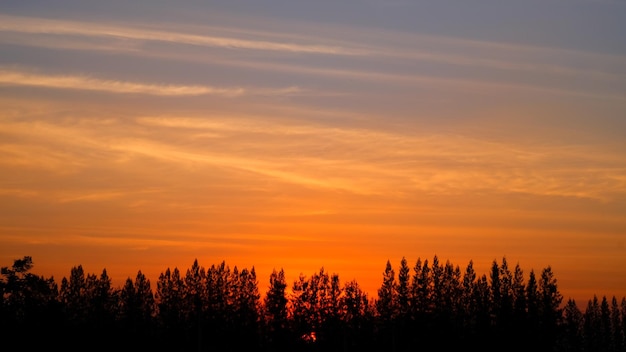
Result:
[[436, 297], [496, 290], [573, 328], [468, 310], [506, 295], [195, 290], [275, 311], [245, 302], [482, 294], [299, 306], [101, 299], [532, 303], [355, 304], [617, 328], [606, 326], [402, 289], [171, 310], [73, 296], [145, 298], [195, 301], [593, 326], [622, 310], [356, 318], [550, 302], [387, 308], [137, 306], [275, 302], [386, 305], [420, 291], [519, 297]]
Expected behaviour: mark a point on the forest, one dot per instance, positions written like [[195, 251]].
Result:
[[219, 308]]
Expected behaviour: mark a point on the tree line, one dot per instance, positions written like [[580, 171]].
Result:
[[221, 309]]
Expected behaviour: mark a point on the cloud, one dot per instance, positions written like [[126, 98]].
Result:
[[364, 161], [357, 42], [46, 26], [393, 164], [535, 69], [450, 83], [23, 78]]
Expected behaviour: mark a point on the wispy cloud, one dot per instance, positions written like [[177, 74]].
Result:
[[450, 83], [354, 160], [387, 44], [46, 26], [366, 161], [24, 78], [536, 69]]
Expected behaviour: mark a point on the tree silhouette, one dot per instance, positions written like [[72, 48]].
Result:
[[245, 300], [101, 300], [572, 327], [171, 309], [532, 329], [468, 305], [195, 299], [218, 287], [275, 312], [386, 304], [310, 303], [550, 303], [519, 299], [28, 305], [617, 326], [357, 317], [221, 309], [507, 298], [136, 309], [420, 298]]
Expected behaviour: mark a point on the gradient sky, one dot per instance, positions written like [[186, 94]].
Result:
[[142, 135]]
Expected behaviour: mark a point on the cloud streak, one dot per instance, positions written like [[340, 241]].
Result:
[[359, 161], [427, 48], [532, 69], [46, 26], [23, 78]]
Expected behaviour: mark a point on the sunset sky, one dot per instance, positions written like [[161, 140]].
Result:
[[141, 135]]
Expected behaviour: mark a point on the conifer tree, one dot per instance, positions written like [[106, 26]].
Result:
[[482, 297], [519, 297], [550, 302], [617, 326], [606, 326], [496, 289], [468, 299], [170, 301], [532, 304], [136, 303], [506, 294], [246, 305], [386, 303], [402, 288], [436, 296], [572, 327], [275, 302], [355, 304], [593, 325], [73, 296]]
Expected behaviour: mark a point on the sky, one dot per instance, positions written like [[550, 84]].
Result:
[[299, 135]]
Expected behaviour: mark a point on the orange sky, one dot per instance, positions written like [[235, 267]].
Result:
[[132, 142]]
